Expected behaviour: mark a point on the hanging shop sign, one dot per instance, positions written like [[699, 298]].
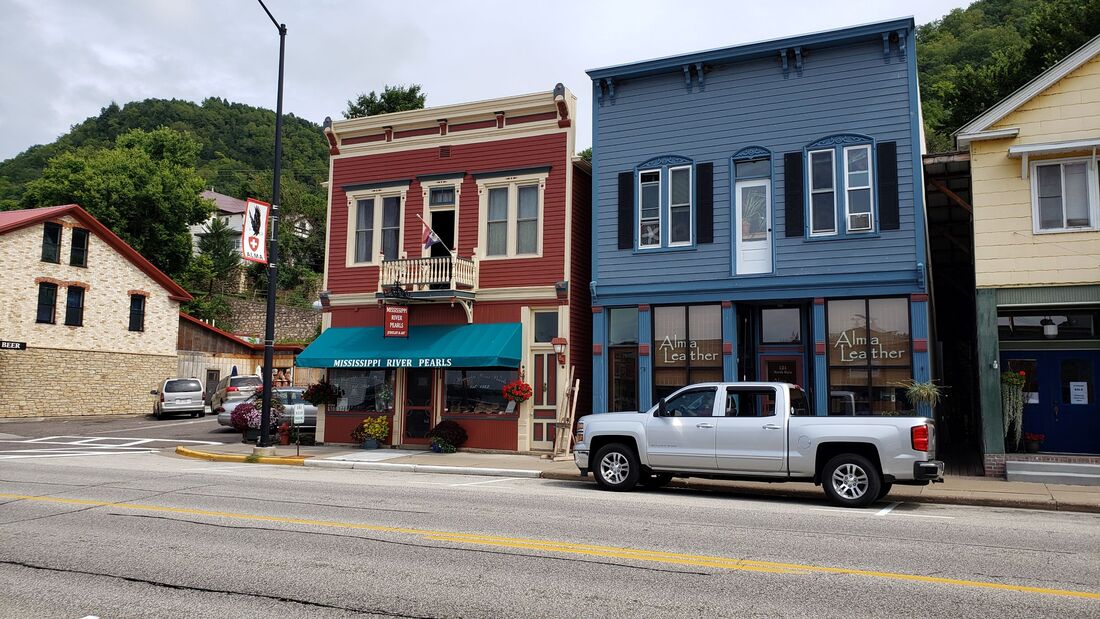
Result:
[[254, 232], [397, 321]]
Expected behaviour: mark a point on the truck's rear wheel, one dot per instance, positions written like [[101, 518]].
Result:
[[616, 467], [850, 480]]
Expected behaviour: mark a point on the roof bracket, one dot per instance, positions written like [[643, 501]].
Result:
[[699, 74], [610, 86], [902, 36], [687, 76], [886, 44], [798, 58], [783, 58]]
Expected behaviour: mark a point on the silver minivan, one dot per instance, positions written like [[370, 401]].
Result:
[[179, 396]]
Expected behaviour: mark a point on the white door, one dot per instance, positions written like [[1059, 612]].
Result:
[[752, 227]]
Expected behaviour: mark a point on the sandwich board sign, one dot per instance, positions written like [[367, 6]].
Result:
[[254, 233]]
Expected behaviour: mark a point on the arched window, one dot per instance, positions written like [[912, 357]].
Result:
[[840, 180]]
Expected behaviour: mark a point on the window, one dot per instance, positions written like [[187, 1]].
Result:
[[1054, 324], [1065, 196], [475, 391], [78, 253], [822, 193], [137, 312], [622, 355], [51, 242], [441, 196], [546, 326], [687, 346], [694, 403], [746, 402], [182, 386], [374, 232], [74, 307], [781, 326], [800, 404], [679, 206], [47, 303], [364, 390], [649, 208], [857, 187], [512, 212], [869, 356]]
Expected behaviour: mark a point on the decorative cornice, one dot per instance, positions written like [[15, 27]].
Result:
[[666, 160], [840, 140], [752, 152], [404, 182]]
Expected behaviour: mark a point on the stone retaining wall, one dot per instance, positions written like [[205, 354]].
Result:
[[45, 382], [291, 323]]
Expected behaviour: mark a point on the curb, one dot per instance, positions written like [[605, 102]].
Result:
[[209, 457], [423, 468]]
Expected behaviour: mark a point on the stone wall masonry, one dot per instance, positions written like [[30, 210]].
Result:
[[45, 382], [291, 323]]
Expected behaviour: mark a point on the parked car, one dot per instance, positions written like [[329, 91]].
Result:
[[289, 396], [234, 388], [760, 431], [179, 396]]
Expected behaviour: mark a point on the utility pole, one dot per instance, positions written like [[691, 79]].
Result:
[[273, 248]]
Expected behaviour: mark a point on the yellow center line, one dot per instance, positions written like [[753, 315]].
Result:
[[653, 556]]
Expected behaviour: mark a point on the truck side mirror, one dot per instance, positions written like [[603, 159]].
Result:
[[662, 408]]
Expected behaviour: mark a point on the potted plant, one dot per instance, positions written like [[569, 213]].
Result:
[[518, 391], [247, 416], [925, 392], [1012, 406], [1033, 441], [322, 392], [371, 432], [447, 436]]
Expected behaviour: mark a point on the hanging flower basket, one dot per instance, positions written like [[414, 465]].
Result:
[[1012, 406], [518, 391], [322, 392]]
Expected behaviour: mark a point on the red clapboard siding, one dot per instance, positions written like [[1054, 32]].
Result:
[[580, 298], [514, 153], [434, 314]]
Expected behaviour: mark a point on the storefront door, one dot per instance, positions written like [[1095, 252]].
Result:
[[545, 385], [418, 405], [781, 369], [1060, 397]]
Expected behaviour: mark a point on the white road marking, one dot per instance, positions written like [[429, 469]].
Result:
[[490, 481], [158, 425], [886, 510], [69, 455], [69, 446], [854, 512], [95, 441]]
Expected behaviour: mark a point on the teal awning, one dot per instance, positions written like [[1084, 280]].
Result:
[[437, 346]]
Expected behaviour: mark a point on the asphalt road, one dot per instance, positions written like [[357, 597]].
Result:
[[153, 535]]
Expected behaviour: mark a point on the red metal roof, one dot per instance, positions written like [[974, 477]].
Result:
[[224, 203], [14, 220]]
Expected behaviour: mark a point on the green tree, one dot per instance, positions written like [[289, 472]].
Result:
[[144, 188], [586, 154], [217, 244], [393, 99]]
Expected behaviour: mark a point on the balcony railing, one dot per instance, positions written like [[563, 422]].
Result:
[[435, 273]]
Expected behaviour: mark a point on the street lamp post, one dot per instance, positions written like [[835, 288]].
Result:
[[273, 247]]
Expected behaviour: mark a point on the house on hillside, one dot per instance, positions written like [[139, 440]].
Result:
[[91, 324], [758, 215], [226, 208], [1036, 209], [457, 263]]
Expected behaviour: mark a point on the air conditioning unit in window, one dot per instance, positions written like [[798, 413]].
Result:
[[859, 221]]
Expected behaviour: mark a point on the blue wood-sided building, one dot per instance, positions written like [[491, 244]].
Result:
[[758, 215]]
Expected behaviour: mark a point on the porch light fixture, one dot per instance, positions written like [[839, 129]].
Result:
[[561, 289], [1050, 330], [560, 344]]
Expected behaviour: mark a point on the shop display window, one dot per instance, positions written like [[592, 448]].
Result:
[[622, 355], [477, 392], [870, 357], [687, 346], [364, 390]]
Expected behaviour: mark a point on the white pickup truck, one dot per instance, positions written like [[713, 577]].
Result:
[[759, 431]]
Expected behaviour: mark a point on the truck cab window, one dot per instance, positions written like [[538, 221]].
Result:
[[749, 402], [695, 403]]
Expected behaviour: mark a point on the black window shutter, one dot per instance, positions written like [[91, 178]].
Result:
[[626, 210], [704, 202], [888, 216], [794, 211]]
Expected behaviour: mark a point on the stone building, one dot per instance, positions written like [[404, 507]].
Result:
[[89, 326]]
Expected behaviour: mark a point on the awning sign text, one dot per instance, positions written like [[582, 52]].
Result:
[[438, 362]]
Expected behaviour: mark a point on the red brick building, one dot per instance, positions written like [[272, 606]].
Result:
[[498, 185]]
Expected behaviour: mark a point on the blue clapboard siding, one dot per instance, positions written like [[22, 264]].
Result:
[[842, 88]]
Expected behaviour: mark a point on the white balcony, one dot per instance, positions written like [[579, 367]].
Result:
[[430, 275]]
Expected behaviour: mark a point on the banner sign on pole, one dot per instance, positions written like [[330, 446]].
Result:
[[254, 234], [397, 321]]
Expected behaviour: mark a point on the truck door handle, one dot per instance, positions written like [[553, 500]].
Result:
[[771, 426], [704, 425]]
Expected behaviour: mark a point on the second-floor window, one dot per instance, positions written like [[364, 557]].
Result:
[[857, 188], [1065, 195], [512, 212], [377, 227], [822, 192], [665, 203], [51, 242], [137, 312], [78, 252], [47, 303], [840, 182], [649, 208], [74, 307]]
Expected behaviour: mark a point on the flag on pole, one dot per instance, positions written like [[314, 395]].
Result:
[[430, 237]]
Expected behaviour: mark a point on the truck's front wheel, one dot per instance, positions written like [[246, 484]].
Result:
[[850, 480], [616, 467]]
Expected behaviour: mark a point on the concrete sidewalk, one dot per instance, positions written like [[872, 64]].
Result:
[[983, 491]]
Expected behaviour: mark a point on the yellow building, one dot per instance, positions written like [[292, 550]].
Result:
[[1036, 209]]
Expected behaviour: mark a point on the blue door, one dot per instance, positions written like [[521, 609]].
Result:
[[1060, 399]]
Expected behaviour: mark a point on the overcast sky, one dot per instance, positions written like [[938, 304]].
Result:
[[62, 61]]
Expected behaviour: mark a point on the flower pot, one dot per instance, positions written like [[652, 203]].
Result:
[[370, 443], [1032, 446]]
